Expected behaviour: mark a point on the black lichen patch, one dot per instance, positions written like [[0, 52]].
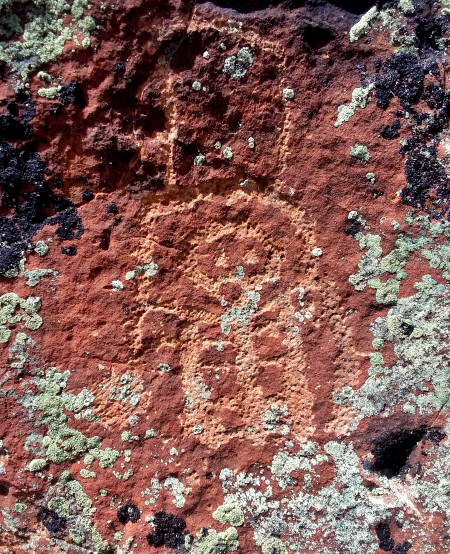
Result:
[[51, 520], [128, 512], [69, 250], [169, 531], [402, 76], [87, 195], [423, 171], [353, 228], [27, 195], [384, 536], [392, 450], [72, 94], [391, 132], [435, 436], [402, 548], [111, 208]]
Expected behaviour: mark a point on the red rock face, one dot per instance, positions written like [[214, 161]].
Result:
[[222, 327]]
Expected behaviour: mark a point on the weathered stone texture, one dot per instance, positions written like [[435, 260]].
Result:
[[224, 277]]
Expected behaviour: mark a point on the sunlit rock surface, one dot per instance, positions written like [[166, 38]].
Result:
[[225, 268]]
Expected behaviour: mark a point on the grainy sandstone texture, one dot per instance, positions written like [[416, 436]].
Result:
[[224, 276]]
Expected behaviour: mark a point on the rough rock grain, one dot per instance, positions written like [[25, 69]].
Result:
[[224, 276]]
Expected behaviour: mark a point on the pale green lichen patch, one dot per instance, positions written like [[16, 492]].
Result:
[[34, 276], [178, 490], [40, 31], [360, 152], [14, 309], [117, 285], [276, 417], [150, 269], [43, 76], [200, 159], [360, 97], [241, 315], [227, 153], [61, 443], [274, 545], [41, 248], [212, 542], [68, 499], [129, 390], [49, 93], [346, 509], [229, 513], [364, 25], [417, 325], [236, 66]]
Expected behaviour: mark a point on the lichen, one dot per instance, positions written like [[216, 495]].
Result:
[[227, 153], [345, 508], [364, 25], [360, 152], [416, 325], [229, 513], [49, 93], [200, 159], [43, 33], [28, 308], [274, 545], [236, 66], [41, 248], [149, 268], [213, 542], [179, 491], [242, 315], [117, 285], [288, 93]]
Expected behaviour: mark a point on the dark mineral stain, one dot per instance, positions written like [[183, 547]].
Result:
[[402, 76], [128, 512], [51, 520], [168, 531]]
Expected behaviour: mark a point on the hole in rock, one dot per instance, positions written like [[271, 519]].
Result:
[[392, 450]]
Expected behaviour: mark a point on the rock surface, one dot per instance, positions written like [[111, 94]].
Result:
[[225, 268]]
